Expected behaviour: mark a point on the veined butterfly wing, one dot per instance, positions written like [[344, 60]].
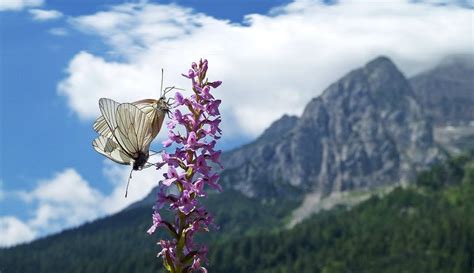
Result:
[[108, 108], [150, 107], [133, 127], [156, 111], [133, 133], [109, 148], [101, 127]]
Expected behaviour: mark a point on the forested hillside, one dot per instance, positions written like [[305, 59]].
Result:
[[428, 228], [424, 228], [119, 243]]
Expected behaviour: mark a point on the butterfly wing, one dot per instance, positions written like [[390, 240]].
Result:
[[157, 123], [101, 127], [109, 148], [146, 106], [105, 124], [132, 130], [156, 111], [159, 116]]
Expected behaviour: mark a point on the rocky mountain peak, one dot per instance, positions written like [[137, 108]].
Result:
[[380, 64], [382, 71], [364, 131], [278, 128]]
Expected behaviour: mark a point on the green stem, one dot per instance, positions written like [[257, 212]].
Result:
[[181, 241]]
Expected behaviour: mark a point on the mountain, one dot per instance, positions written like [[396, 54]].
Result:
[[455, 139], [446, 92], [365, 130]]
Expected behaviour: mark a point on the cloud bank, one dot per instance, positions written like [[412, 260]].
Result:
[[67, 200], [58, 31], [45, 15], [14, 231], [16, 5], [270, 65]]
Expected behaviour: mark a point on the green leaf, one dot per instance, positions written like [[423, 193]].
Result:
[[189, 257]]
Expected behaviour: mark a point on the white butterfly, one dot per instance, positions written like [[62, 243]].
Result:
[[126, 130]]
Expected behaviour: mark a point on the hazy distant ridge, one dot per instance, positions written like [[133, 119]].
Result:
[[446, 92]]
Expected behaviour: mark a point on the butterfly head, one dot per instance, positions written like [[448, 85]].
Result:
[[164, 105]]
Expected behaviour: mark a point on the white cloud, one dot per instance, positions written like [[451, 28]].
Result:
[[45, 15], [463, 3], [67, 200], [58, 31], [13, 231], [274, 64], [19, 4], [141, 184]]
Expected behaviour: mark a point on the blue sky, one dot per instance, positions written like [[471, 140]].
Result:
[[57, 59]]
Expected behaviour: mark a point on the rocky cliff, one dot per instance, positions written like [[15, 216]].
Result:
[[364, 131]]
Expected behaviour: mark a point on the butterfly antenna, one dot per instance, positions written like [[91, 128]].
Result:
[[167, 90], [171, 88], [161, 88], [177, 88], [128, 182]]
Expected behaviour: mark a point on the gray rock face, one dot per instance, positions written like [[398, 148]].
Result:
[[364, 131], [446, 93]]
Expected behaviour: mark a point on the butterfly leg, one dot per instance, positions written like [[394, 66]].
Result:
[[128, 182]]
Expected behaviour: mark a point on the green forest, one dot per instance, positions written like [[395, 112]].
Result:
[[425, 227]]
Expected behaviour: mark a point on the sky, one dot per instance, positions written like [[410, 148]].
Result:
[[57, 58]]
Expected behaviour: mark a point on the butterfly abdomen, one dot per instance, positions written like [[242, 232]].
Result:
[[140, 160]]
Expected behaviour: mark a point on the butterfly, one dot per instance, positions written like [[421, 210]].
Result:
[[126, 130]]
